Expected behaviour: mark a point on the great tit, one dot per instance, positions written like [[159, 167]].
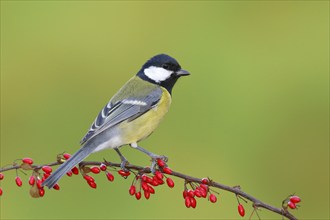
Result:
[[131, 115]]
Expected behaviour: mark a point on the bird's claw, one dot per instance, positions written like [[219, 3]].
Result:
[[123, 165], [154, 159], [164, 158], [153, 166], [157, 157]]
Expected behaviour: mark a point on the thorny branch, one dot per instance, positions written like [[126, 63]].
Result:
[[256, 203]]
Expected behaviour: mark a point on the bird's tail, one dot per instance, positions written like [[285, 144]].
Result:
[[81, 154]]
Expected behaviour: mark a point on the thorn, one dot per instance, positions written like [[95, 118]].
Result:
[[240, 197], [237, 187]]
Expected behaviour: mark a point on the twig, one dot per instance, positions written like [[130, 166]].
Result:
[[236, 190]]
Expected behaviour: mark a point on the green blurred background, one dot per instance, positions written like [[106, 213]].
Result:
[[253, 113]]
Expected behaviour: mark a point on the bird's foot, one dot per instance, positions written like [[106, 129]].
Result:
[[123, 164], [154, 160], [154, 157]]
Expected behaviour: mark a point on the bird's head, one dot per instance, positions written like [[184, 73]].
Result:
[[162, 70]]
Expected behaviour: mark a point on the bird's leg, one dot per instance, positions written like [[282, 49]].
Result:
[[154, 157], [124, 161]]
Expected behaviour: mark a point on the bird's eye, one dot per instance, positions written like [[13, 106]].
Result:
[[166, 66]]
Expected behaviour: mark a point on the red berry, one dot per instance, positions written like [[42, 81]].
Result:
[[46, 175], [47, 169], [151, 189], [89, 178], [147, 194], [197, 193], [154, 178], [193, 202], [41, 192], [39, 183], [191, 193], [161, 163], [103, 167], [110, 176], [32, 180], [75, 170], [185, 193], [203, 193], [159, 181], [124, 173], [150, 180], [69, 173], [292, 205], [92, 184], [170, 182], [145, 186], [144, 178], [154, 183], [0, 191], [2, 176], [213, 198], [56, 187], [66, 156], [95, 170], [27, 160], [295, 199], [205, 187], [187, 202], [159, 175], [138, 195], [205, 181], [18, 181], [132, 190], [167, 170], [241, 210]]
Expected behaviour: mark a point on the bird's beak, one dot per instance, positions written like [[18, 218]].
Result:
[[182, 73]]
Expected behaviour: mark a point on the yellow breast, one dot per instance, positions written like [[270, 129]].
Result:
[[141, 127]]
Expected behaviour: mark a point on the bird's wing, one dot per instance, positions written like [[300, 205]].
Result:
[[125, 109]]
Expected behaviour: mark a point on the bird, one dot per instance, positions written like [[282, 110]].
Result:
[[130, 116]]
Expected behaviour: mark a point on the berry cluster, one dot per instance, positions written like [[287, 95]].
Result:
[[62, 158], [146, 183], [39, 175], [198, 191], [291, 202], [96, 170]]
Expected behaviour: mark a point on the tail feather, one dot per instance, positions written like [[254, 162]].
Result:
[[80, 155]]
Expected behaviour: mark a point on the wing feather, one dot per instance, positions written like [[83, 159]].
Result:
[[125, 109]]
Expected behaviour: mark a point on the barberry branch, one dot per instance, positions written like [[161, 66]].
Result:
[[188, 180]]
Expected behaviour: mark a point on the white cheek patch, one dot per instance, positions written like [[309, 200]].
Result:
[[157, 74]]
